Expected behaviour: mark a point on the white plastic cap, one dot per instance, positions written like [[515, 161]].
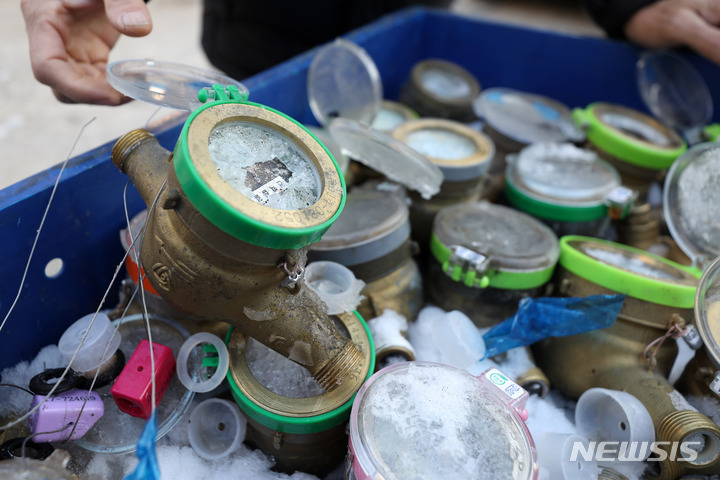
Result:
[[611, 415], [335, 284], [555, 456], [458, 339], [99, 345], [223, 363], [216, 428]]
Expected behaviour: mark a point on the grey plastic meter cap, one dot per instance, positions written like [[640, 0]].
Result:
[[372, 224], [512, 240]]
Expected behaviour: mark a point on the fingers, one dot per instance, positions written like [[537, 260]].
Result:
[[704, 38], [130, 17], [79, 84]]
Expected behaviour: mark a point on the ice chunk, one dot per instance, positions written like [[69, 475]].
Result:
[[459, 340], [278, 374], [633, 127], [629, 262]]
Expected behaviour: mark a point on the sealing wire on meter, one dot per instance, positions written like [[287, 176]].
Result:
[[82, 340]]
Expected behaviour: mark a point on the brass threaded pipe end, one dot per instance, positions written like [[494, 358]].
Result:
[[670, 470], [126, 144], [340, 366], [691, 426], [611, 474]]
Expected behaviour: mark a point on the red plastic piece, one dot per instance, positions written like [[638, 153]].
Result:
[[132, 388]]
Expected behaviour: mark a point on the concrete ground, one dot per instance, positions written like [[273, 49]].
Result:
[[36, 131]]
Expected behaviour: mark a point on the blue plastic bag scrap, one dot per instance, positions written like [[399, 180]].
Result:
[[147, 467], [540, 318]]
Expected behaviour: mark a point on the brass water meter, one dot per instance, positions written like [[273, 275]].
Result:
[[462, 154], [289, 416], [571, 189], [640, 147], [487, 258], [629, 355], [372, 238], [441, 89], [230, 212], [515, 120]]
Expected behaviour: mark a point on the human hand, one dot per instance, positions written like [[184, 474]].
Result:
[[70, 41], [673, 23]]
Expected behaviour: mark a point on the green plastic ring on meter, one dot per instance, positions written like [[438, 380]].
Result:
[[550, 211], [622, 146], [224, 215], [627, 282], [301, 425], [495, 278]]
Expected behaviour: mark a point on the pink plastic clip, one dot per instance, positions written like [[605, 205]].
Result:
[[132, 388]]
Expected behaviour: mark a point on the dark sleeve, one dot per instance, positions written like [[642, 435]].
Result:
[[612, 15]]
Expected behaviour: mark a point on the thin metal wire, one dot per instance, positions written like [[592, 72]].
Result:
[[42, 223]]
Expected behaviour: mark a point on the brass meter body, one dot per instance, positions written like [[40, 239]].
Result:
[[303, 429], [626, 356], [372, 238], [486, 258], [230, 210], [462, 155], [640, 147]]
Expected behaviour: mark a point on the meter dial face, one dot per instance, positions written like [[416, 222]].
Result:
[[445, 83], [264, 166], [441, 144]]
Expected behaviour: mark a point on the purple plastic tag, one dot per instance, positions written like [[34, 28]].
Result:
[[63, 410]]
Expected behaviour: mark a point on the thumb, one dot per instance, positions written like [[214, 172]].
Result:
[[129, 17]]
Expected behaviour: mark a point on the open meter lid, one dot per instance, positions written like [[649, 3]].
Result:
[[525, 117], [691, 195], [674, 92], [343, 81], [345, 93], [166, 84]]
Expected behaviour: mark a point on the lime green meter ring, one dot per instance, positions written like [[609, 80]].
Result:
[[229, 210]]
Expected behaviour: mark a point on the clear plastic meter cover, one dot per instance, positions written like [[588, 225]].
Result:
[[525, 117], [691, 197], [372, 224], [707, 310], [512, 240], [562, 173], [167, 84], [425, 421], [673, 90], [387, 155], [343, 81], [264, 165]]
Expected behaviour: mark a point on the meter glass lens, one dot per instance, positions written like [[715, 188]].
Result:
[[445, 84], [264, 165], [441, 144], [629, 261], [636, 129]]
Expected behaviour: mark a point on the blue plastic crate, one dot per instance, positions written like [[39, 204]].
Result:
[[87, 212]]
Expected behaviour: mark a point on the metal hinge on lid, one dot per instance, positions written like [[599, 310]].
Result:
[[468, 266]]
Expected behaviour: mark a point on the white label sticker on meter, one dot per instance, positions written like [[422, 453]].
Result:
[[276, 185], [511, 389]]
